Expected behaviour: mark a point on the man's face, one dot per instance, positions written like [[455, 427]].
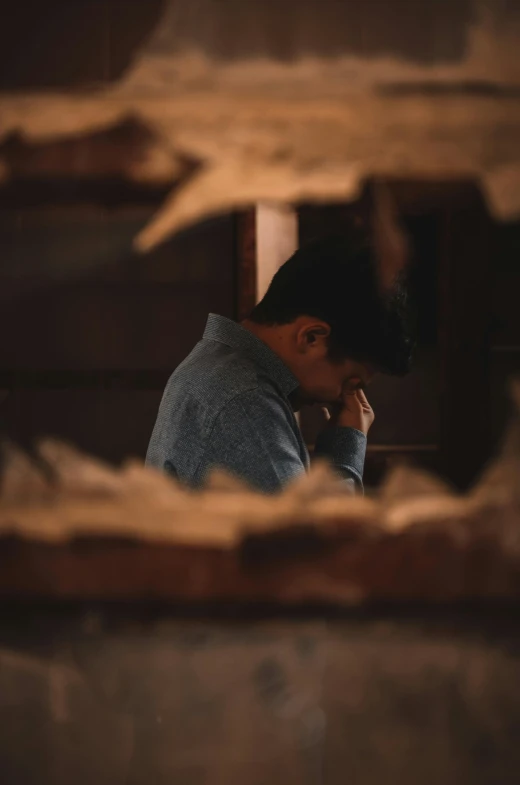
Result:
[[324, 379], [327, 381]]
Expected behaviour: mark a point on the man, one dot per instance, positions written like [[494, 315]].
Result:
[[320, 334]]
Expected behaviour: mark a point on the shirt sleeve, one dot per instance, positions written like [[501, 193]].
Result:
[[345, 448], [254, 439]]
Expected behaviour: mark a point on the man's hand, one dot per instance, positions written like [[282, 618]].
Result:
[[355, 412]]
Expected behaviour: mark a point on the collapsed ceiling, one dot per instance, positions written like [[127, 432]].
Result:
[[228, 104]]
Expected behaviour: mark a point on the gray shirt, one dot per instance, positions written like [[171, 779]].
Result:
[[227, 405]]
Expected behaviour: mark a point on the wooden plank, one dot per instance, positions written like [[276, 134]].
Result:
[[246, 294], [276, 241], [113, 424], [76, 43], [465, 277], [117, 328], [506, 313], [53, 379], [287, 567]]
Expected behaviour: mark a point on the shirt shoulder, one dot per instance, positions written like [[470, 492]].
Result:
[[255, 437], [209, 383], [214, 374]]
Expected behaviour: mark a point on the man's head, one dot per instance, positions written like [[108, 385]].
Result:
[[326, 316]]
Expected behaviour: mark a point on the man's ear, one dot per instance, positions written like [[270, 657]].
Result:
[[311, 335]]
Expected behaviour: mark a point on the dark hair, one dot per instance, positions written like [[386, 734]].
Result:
[[335, 279]]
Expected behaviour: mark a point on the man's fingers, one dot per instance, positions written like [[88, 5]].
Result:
[[356, 412], [362, 398], [351, 401]]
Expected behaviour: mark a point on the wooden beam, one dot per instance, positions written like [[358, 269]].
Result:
[[276, 238]]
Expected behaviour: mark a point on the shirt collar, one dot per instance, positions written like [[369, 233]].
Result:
[[225, 331]]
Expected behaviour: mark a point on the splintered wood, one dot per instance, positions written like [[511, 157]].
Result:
[[308, 126], [72, 526]]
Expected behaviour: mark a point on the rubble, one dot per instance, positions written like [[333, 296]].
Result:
[[416, 538]]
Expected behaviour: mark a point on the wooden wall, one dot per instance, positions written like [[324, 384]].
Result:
[[505, 326], [89, 331], [85, 355], [71, 43]]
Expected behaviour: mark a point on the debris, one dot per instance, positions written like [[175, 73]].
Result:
[[312, 127]]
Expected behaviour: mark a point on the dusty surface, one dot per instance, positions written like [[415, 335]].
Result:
[[122, 696]]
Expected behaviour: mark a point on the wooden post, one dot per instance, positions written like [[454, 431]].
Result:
[[267, 235], [276, 241], [464, 330]]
